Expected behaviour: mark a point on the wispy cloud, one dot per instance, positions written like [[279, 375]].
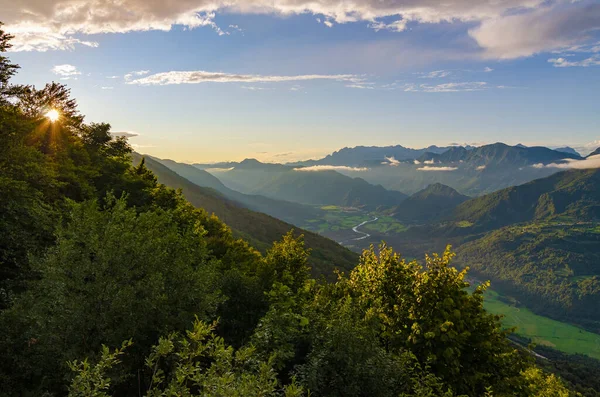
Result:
[[396, 26], [436, 74], [107, 88], [126, 134], [447, 87], [65, 70], [316, 168], [488, 69], [590, 162], [200, 76], [216, 169], [565, 63], [428, 168], [253, 88], [135, 73]]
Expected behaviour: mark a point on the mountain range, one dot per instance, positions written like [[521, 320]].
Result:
[[472, 171]]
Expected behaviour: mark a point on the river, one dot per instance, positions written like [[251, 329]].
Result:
[[364, 235]]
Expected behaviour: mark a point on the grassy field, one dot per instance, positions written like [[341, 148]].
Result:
[[385, 225], [542, 330], [339, 218]]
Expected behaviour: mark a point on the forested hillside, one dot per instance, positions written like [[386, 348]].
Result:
[[574, 193], [429, 204], [257, 228], [114, 284]]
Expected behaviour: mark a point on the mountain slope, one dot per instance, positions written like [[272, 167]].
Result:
[[257, 228], [290, 212], [429, 203], [574, 193]]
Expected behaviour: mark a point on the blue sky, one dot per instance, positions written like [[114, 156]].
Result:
[[276, 82]]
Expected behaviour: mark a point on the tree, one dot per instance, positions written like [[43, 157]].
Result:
[[286, 262], [114, 274], [429, 312], [7, 69]]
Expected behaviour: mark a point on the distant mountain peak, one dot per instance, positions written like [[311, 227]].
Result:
[[568, 149]]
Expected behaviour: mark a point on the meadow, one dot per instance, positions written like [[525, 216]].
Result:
[[543, 330]]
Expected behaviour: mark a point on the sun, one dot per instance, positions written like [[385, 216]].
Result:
[[52, 115]]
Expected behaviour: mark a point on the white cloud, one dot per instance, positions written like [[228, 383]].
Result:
[[252, 88], [396, 26], [200, 76], [125, 134], [591, 162], [436, 74], [361, 86], [428, 168], [488, 69], [65, 70], [552, 26], [216, 169], [107, 88], [447, 87], [587, 148], [417, 162], [113, 77], [236, 28], [392, 161], [564, 63], [130, 75], [328, 23], [480, 168], [316, 168], [504, 29]]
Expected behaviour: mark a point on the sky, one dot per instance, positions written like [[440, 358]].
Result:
[[208, 81]]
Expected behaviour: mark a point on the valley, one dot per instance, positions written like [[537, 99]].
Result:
[[541, 224]]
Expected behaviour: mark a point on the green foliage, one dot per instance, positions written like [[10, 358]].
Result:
[[436, 319], [114, 274], [198, 364], [287, 261], [91, 380], [541, 385]]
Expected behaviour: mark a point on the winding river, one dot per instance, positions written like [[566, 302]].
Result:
[[363, 234]]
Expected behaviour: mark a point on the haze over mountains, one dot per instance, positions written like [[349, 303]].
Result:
[[471, 171]]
